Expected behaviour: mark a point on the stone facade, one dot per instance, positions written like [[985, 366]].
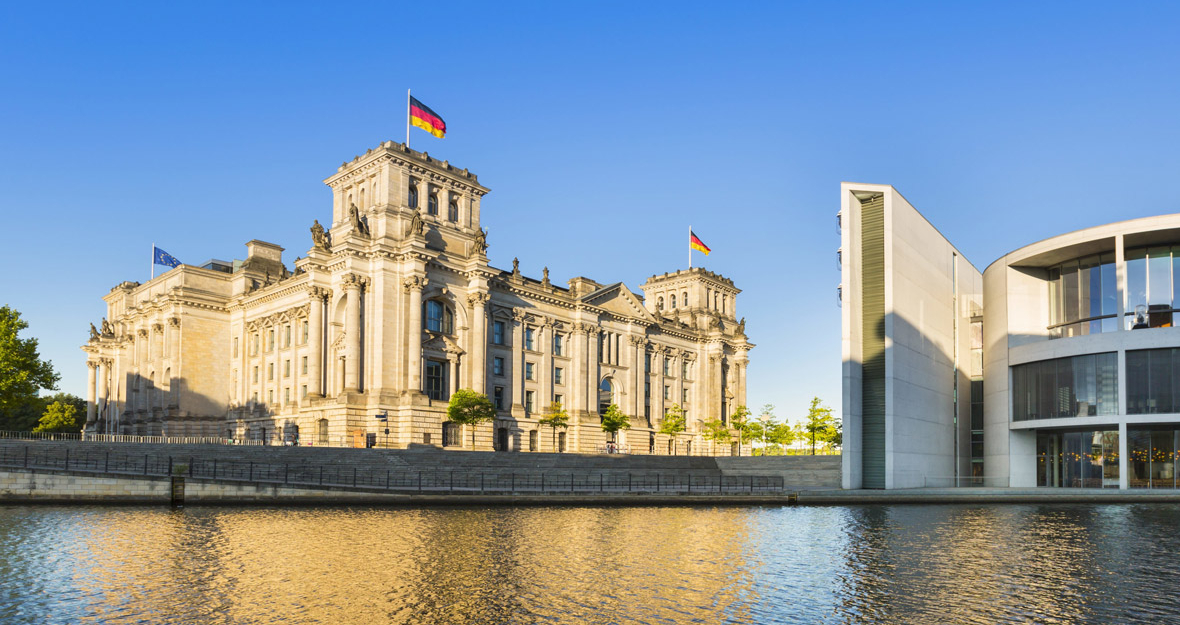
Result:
[[393, 309]]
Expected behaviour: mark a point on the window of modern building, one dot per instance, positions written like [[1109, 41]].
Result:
[[529, 398], [1078, 386], [498, 332], [558, 375], [498, 397], [439, 317], [528, 371], [432, 205], [436, 379], [1087, 459], [528, 338], [452, 434], [1152, 456], [1083, 297], [977, 430], [557, 344], [1153, 381], [453, 211], [1152, 276], [497, 365]]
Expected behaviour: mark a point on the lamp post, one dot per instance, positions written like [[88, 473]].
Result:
[[383, 417]]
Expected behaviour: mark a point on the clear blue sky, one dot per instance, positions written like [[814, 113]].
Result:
[[603, 129]]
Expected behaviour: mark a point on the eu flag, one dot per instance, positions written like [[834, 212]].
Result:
[[160, 257]]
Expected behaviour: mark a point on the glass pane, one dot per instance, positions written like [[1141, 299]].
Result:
[[1159, 381], [1109, 291], [1021, 393], [1092, 459], [1159, 276], [1136, 279], [1162, 459], [1137, 382], [1073, 459], [1085, 386], [1066, 399], [1107, 382], [1046, 385], [1138, 444], [1069, 289], [1110, 458], [1055, 316]]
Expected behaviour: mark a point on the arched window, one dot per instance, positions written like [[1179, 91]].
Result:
[[413, 194], [322, 431], [606, 395], [362, 195], [432, 205], [453, 211], [673, 300], [660, 303], [684, 299], [439, 317]]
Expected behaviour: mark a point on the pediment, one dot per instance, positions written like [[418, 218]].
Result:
[[442, 343], [619, 300]]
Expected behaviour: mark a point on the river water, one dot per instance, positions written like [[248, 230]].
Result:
[[855, 564]]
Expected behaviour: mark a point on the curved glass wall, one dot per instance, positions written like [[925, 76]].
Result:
[[1153, 381], [1079, 386], [1083, 297], [1152, 273], [1088, 459]]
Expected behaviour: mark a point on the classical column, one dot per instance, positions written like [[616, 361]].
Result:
[[637, 376], [444, 204], [453, 374], [315, 341], [479, 341], [91, 392], [414, 285], [174, 339], [517, 362], [546, 373], [592, 373], [577, 379], [141, 346], [103, 400], [424, 196], [658, 407], [352, 331], [743, 362], [157, 342]]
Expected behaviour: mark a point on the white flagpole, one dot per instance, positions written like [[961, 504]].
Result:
[[690, 246], [407, 118], [153, 256]]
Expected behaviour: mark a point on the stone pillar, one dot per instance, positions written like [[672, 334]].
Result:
[[103, 400], [352, 332], [743, 362], [637, 376], [414, 285], [315, 341], [517, 404], [592, 373], [91, 392], [444, 205], [174, 339], [479, 341], [658, 404], [424, 196], [546, 373], [453, 374], [577, 380], [141, 346], [157, 342]]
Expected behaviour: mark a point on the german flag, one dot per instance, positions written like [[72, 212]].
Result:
[[426, 119], [696, 243]]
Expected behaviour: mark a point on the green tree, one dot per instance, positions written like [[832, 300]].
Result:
[[781, 435], [59, 417], [468, 407], [766, 422], [614, 420], [555, 417], [742, 423], [834, 435], [716, 432], [22, 372], [819, 419], [673, 421]]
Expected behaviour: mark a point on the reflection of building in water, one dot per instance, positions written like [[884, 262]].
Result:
[[1072, 339], [392, 310]]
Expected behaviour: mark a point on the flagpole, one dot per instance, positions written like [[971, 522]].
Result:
[[690, 246], [153, 257], [407, 118]]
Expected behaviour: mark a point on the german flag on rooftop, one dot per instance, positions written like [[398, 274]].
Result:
[[696, 243], [426, 119]]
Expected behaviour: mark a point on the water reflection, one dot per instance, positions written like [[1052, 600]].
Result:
[[871, 564]]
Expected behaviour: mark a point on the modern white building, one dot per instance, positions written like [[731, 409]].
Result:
[[1059, 366]]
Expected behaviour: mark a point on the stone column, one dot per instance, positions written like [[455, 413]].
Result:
[[479, 341], [91, 392], [453, 374], [546, 373], [315, 341], [637, 376], [577, 380], [103, 400], [157, 342], [517, 404], [658, 406], [414, 285], [352, 332], [592, 373], [444, 205], [424, 196], [174, 339], [740, 375]]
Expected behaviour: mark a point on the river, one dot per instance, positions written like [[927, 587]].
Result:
[[851, 564]]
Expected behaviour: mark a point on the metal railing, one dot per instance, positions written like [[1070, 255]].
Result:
[[435, 481], [125, 438]]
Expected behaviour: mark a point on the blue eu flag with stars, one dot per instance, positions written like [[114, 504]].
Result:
[[160, 257]]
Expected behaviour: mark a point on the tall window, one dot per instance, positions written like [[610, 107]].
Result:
[[1153, 277], [558, 375], [498, 397], [1078, 386], [270, 340], [270, 371], [556, 344], [528, 338], [303, 365], [439, 317], [684, 371], [432, 205], [660, 303], [529, 397], [287, 336], [528, 371], [453, 211], [413, 194], [673, 301], [497, 366], [1082, 297], [647, 362], [451, 434], [304, 332], [606, 395], [436, 379], [498, 332], [667, 366], [235, 347], [1153, 381]]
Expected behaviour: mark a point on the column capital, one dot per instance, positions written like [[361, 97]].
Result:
[[317, 292], [354, 281], [174, 322], [142, 332], [415, 283], [157, 327], [479, 299], [92, 365], [638, 340]]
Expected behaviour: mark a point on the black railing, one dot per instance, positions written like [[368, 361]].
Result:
[[435, 481]]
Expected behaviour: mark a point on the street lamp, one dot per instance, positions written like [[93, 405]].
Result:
[[384, 418]]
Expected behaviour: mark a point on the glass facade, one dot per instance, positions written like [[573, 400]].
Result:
[[1083, 298], [1080, 386], [1152, 384], [1152, 292], [1087, 459], [1151, 457]]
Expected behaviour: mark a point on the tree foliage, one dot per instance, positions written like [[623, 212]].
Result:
[[468, 407], [716, 431], [555, 417], [59, 416], [673, 422], [614, 420], [740, 419], [22, 372], [818, 421]]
